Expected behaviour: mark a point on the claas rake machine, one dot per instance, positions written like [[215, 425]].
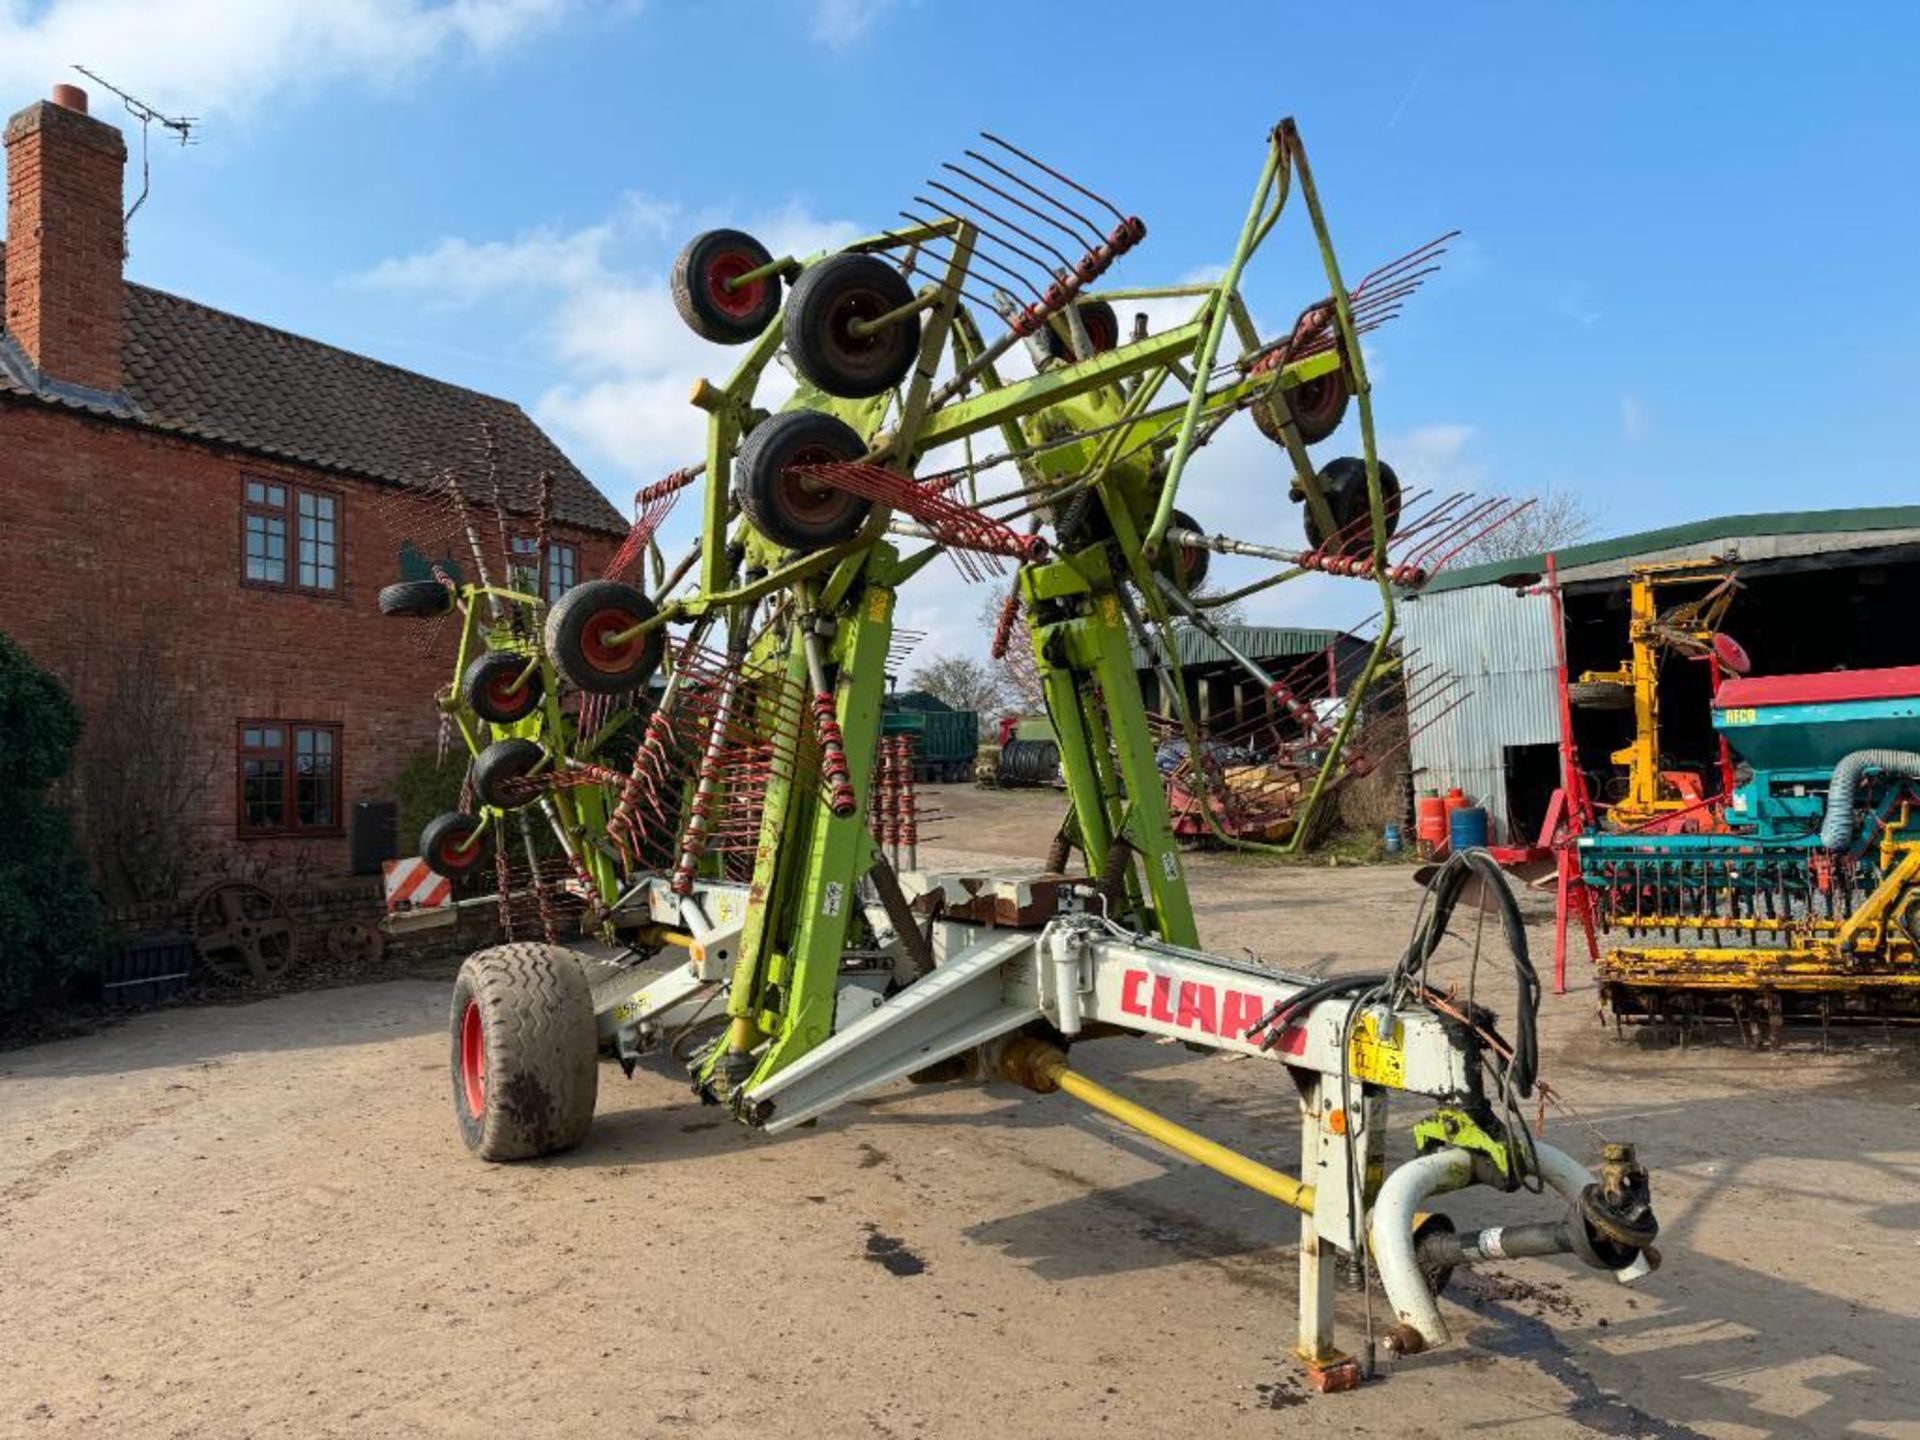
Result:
[[703, 754]]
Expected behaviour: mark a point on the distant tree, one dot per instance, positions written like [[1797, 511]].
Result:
[[962, 682], [1231, 613], [1019, 677], [1555, 520]]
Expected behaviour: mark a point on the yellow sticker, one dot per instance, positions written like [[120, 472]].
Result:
[[1737, 717], [1109, 611], [878, 601], [1380, 1060]]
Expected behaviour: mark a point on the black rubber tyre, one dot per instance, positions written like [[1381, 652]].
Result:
[[1318, 407], [789, 509], [525, 1058], [499, 766], [1344, 483], [419, 598], [488, 687], [1186, 568], [580, 630], [1599, 695], [442, 842], [1103, 330], [700, 294], [827, 298]]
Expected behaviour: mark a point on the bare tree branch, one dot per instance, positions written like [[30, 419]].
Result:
[[1555, 520]]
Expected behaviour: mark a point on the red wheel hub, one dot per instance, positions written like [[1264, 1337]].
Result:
[[740, 300], [599, 647], [504, 695], [1319, 398], [458, 851], [809, 500], [473, 1059]]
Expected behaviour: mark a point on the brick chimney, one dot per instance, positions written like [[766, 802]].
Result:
[[66, 241]]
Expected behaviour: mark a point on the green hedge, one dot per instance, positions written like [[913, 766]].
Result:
[[49, 916]]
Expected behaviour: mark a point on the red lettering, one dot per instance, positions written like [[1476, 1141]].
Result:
[[1239, 1013], [1293, 1040], [1130, 984], [1162, 998], [1196, 1007]]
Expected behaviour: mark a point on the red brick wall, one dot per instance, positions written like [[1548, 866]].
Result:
[[114, 537], [66, 243]]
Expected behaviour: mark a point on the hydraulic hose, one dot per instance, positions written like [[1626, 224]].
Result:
[[1447, 888], [1836, 831]]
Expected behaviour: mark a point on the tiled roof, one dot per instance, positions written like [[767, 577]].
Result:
[[201, 372]]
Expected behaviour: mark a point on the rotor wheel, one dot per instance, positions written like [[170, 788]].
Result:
[[243, 931], [493, 687], [421, 599], [449, 846], [501, 771], [831, 301], [524, 1052], [793, 510], [1317, 405], [707, 290], [591, 637], [1102, 326], [1185, 568], [1344, 483]]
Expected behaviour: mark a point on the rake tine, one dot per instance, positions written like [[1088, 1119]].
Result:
[[987, 233], [1432, 250], [1504, 518], [999, 219], [1459, 523], [980, 255], [1046, 195], [1045, 168], [926, 247], [991, 188]]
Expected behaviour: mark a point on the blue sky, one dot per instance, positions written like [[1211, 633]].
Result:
[[1685, 286]]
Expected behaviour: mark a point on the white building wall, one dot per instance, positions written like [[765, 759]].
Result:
[[1497, 644]]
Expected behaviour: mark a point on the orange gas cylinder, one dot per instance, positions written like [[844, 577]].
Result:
[[1430, 819]]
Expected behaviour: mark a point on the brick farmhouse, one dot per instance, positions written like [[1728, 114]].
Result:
[[201, 510]]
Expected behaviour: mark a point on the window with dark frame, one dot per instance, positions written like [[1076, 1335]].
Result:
[[292, 537], [289, 780], [563, 566], [523, 566]]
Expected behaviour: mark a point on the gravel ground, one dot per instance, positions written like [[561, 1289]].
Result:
[[258, 1220]]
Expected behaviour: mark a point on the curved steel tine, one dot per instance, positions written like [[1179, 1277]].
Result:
[[999, 219], [997, 264], [986, 232], [1045, 168], [1046, 195]]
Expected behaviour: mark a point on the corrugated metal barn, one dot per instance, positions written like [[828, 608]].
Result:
[[1316, 664], [1821, 590]]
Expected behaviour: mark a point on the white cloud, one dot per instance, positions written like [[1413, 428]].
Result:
[[838, 24], [458, 272], [226, 57], [624, 358], [1635, 423]]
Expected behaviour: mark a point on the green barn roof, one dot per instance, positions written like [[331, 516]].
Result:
[[1698, 532]]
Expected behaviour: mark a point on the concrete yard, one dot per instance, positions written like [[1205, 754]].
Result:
[[259, 1220]]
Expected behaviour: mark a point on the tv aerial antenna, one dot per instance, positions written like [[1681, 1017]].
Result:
[[181, 126]]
